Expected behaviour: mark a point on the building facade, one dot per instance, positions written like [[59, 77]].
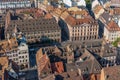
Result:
[[16, 53], [110, 73], [23, 56], [8, 4], [82, 28], [36, 30], [115, 3], [43, 64], [97, 10], [111, 31], [71, 3]]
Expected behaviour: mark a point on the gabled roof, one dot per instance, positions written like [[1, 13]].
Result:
[[57, 67], [42, 62], [112, 73], [8, 45], [116, 11], [73, 21], [90, 64], [106, 17], [3, 65], [97, 9], [64, 15], [48, 16], [112, 26], [70, 75], [56, 50]]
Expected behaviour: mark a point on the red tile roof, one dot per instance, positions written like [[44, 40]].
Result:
[[112, 26], [73, 21], [112, 73], [57, 67], [8, 45], [97, 9], [95, 77], [116, 10], [83, 12], [43, 62], [48, 16]]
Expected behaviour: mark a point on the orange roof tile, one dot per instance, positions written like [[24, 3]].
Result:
[[8, 45], [112, 73], [73, 21], [3, 64], [49, 8], [64, 15], [70, 20], [48, 16], [43, 61], [57, 67], [95, 77], [58, 11], [97, 9], [116, 10], [83, 12], [112, 26]]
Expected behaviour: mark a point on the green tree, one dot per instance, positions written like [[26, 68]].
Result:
[[115, 43], [88, 4]]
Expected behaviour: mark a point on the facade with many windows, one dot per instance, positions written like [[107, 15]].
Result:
[[111, 31], [16, 53], [71, 3], [23, 57], [81, 29], [36, 30], [8, 4]]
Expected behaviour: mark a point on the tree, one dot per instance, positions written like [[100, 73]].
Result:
[[88, 4], [115, 43]]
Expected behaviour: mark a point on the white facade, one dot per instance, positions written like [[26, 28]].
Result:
[[13, 55], [14, 4], [20, 55], [23, 57], [71, 3], [95, 3], [111, 36]]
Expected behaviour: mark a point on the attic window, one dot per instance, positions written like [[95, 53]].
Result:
[[68, 76], [107, 76], [0, 67]]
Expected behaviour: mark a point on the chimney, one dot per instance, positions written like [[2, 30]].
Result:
[[115, 64], [109, 19], [107, 65], [68, 48], [79, 71]]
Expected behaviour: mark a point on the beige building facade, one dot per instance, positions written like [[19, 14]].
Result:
[[82, 28]]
